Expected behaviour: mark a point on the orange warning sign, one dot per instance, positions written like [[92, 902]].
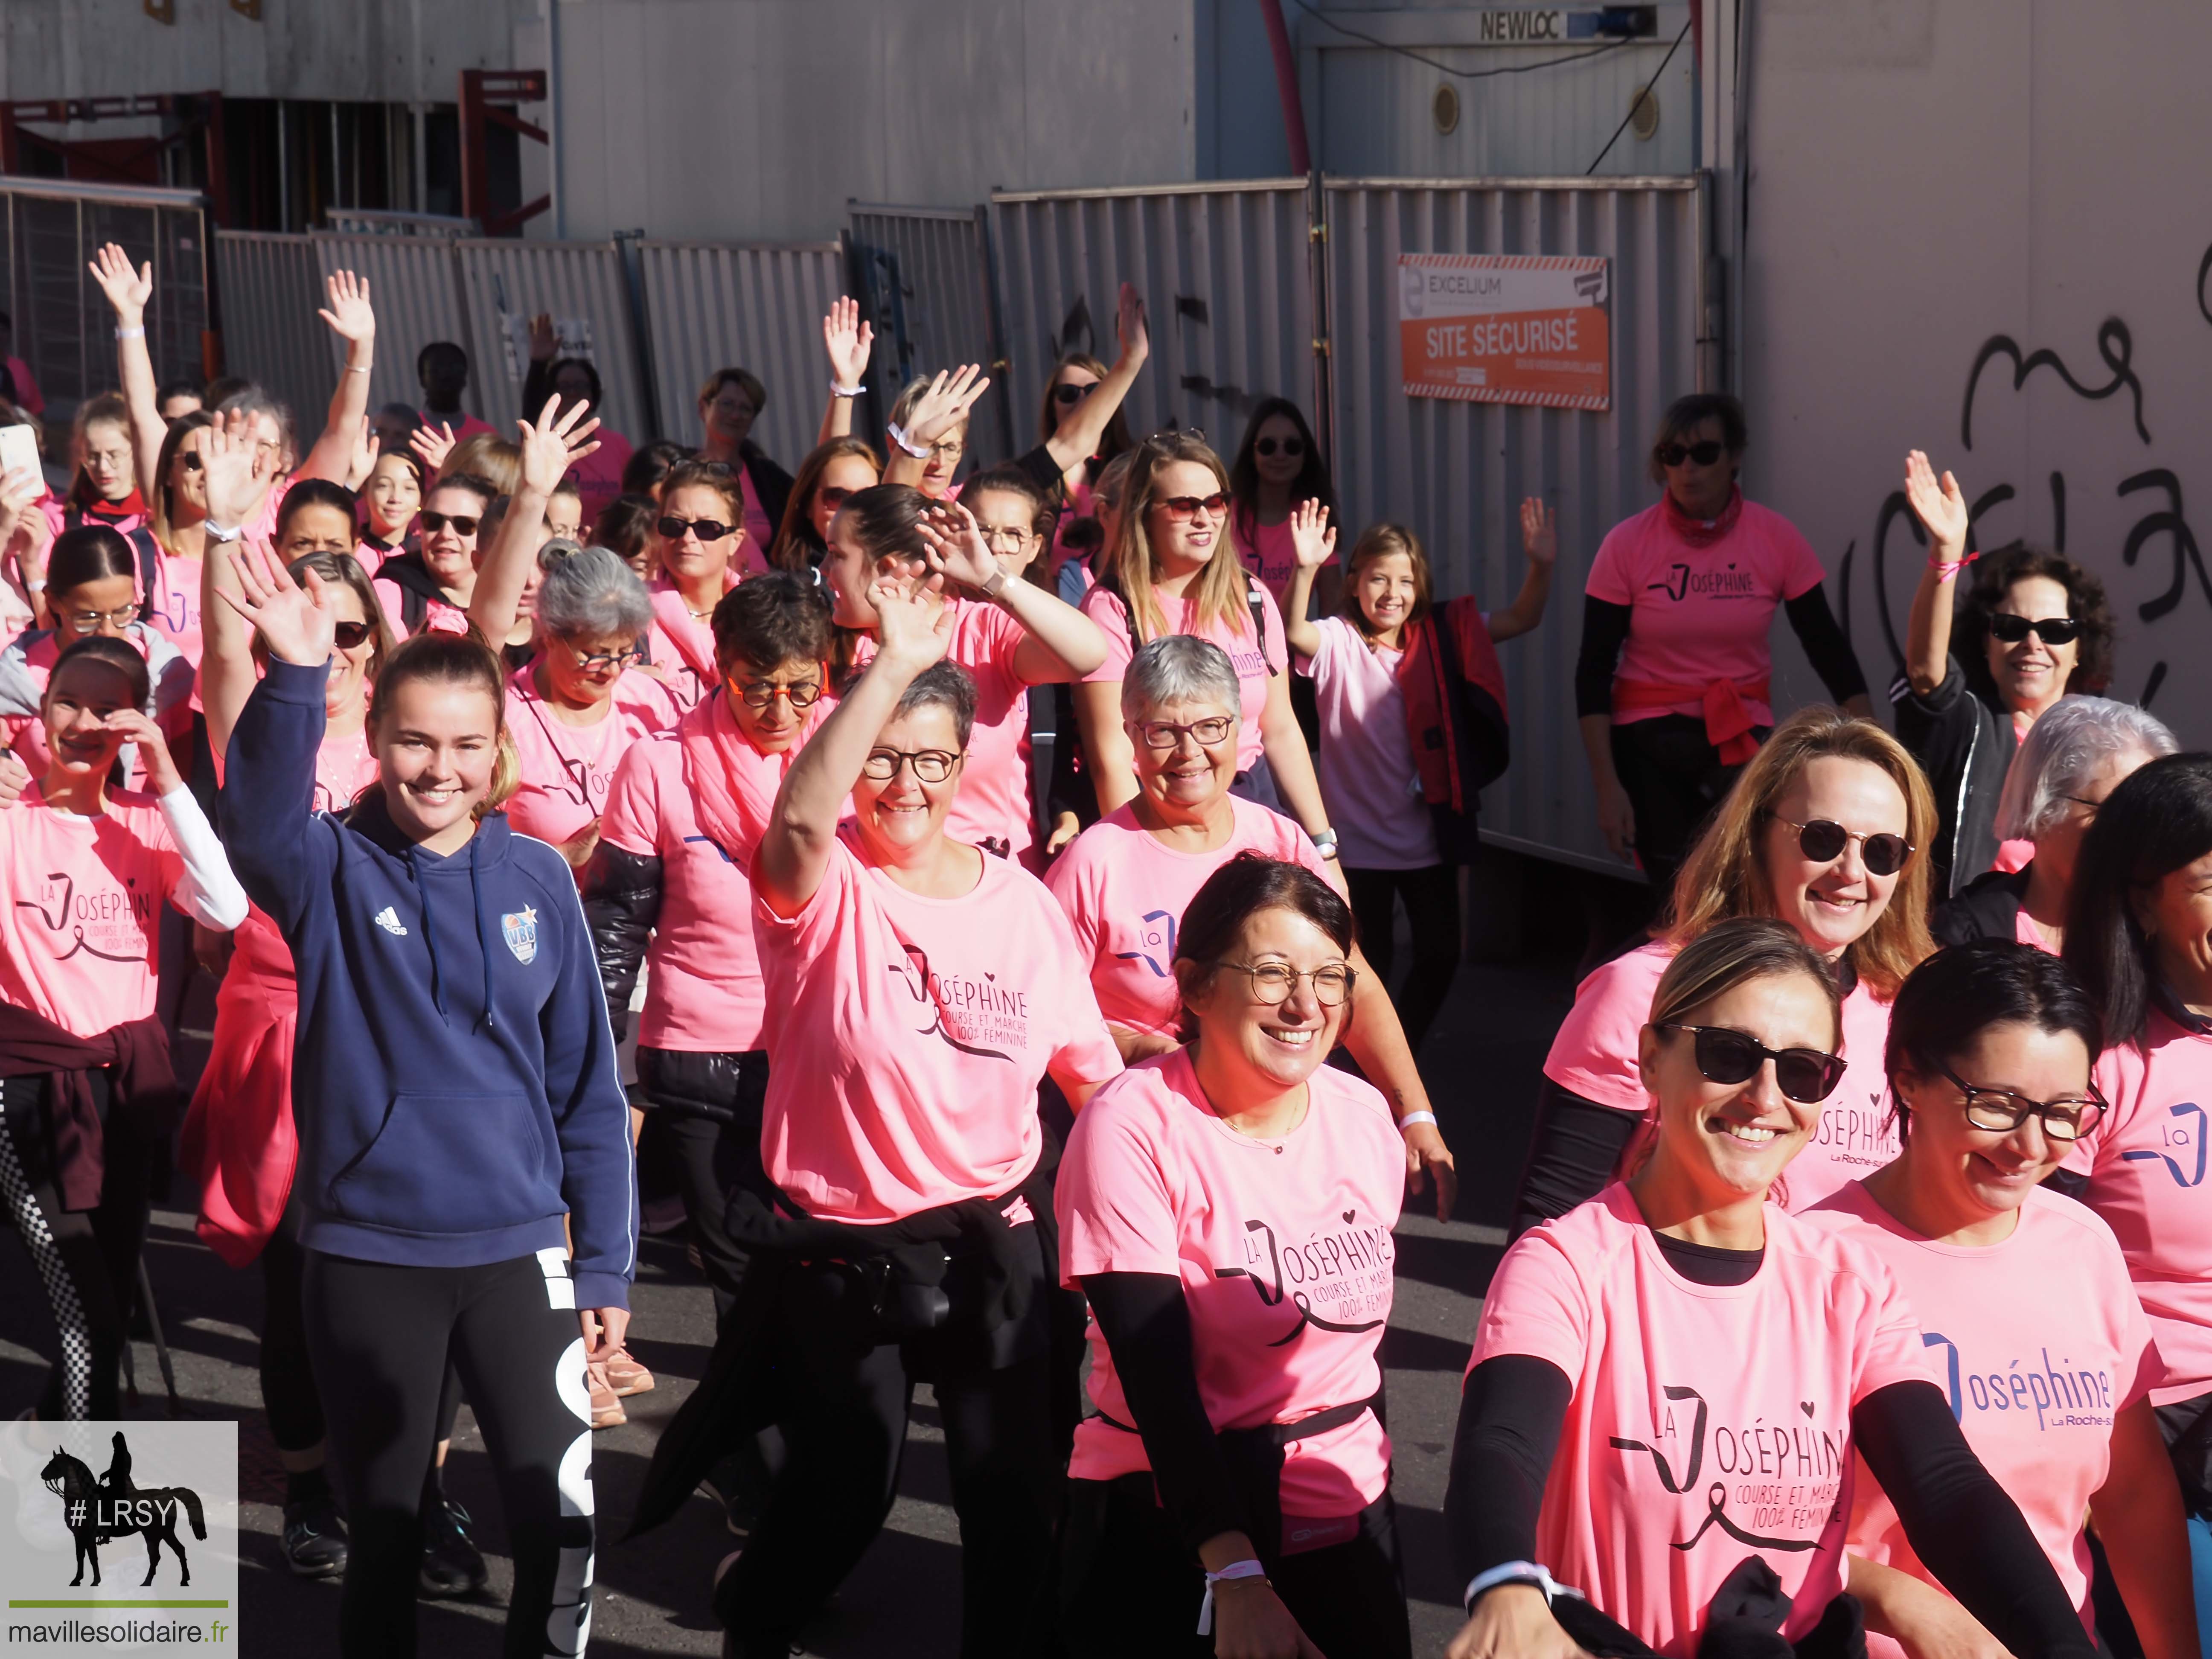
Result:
[[1507, 328]]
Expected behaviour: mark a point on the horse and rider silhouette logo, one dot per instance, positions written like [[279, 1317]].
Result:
[[99, 1511]]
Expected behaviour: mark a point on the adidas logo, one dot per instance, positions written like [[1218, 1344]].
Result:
[[389, 921]]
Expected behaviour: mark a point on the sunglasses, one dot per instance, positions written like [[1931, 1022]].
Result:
[[1804, 1075], [2052, 630], [464, 524], [350, 636], [1705, 454], [1288, 445], [1070, 394], [1182, 509], [707, 529], [1823, 842], [833, 496]]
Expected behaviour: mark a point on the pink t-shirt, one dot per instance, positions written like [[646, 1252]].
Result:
[[173, 605], [2038, 1341], [566, 769], [1257, 662], [78, 932], [1154, 1183], [1708, 1421], [905, 1036], [702, 990], [1124, 890], [992, 807], [2145, 1159], [598, 475], [1269, 553], [1699, 614], [683, 644], [2025, 932], [1594, 1055], [440, 614], [1368, 779], [760, 534]]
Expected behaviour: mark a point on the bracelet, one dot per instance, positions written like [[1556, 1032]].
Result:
[[138, 333], [362, 368], [38, 587], [1229, 1574], [221, 532], [1516, 1572], [1947, 569], [993, 587], [1411, 1118], [899, 437], [1325, 843], [836, 391]]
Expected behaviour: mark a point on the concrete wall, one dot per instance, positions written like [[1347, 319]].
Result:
[[1932, 180], [754, 120]]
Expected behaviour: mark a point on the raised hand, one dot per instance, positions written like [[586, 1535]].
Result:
[[297, 624], [1540, 530], [558, 440], [365, 447], [126, 289], [848, 341], [1129, 324], [1940, 507], [231, 460], [945, 404], [432, 445], [348, 312], [1313, 537], [955, 545], [914, 625], [544, 338]]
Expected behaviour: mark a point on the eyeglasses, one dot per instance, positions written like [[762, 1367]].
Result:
[[464, 524], [2052, 630], [1013, 538], [1724, 1056], [1068, 393], [1823, 842], [1182, 509], [603, 659], [945, 448], [707, 529], [1289, 446], [760, 694], [930, 765], [2002, 1110], [1705, 454], [350, 636], [86, 621], [833, 496], [1165, 734], [1273, 982]]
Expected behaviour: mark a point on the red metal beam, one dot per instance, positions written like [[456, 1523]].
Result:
[[479, 113]]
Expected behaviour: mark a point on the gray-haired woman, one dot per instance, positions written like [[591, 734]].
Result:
[[2069, 761]]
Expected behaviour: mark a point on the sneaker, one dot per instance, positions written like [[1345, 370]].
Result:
[[452, 1563], [314, 1538], [606, 1405], [626, 1377]]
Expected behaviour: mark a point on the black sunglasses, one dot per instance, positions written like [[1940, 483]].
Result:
[[1068, 393], [1823, 842], [1705, 454], [1805, 1075], [1289, 447], [462, 523], [707, 529], [2052, 630], [349, 635]]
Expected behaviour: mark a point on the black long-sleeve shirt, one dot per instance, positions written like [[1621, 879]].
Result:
[[1604, 630]]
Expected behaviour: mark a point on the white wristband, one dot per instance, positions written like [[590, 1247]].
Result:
[[1516, 1572], [221, 532], [1411, 1118], [131, 333], [38, 587], [898, 436], [836, 391], [1235, 1570]]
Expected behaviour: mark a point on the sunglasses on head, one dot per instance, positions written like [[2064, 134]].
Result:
[[2052, 630], [464, 524], [1182, 509], [1070, 393], [1705, 454], [350, 636], [1804, 1075], [1823, 842], [1288, 445], [707, 529]]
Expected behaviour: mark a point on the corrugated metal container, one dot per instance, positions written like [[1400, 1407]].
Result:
[[759, 308], [928, 274], [1223, 270], [414, 282], [270, 286], [504, 280], [1456, 472]]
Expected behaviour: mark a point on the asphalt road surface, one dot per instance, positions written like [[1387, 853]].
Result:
[[1481, 1064]]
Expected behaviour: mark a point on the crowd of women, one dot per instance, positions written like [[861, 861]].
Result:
[[1860, 1299]]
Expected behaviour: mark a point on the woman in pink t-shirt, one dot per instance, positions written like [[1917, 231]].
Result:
[[86, 1088], [1235, 1464], [830, 476], [701, 547], [1671, 1385], [1173, 569], [391, 497], [1008, 633], [430, 587], [1279, 468], [2022, 1295], [2141, 938], [1823, 831], [917, 990], [1125, 881], [1672, 685]]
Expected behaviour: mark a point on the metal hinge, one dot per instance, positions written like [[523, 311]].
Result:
[[1321, 347], [1317, 232]]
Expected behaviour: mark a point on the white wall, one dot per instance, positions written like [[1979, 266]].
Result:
[[1928, 175], [754, 120]]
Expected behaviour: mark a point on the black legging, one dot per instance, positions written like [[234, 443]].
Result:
[[1432, 897], [1675, 778], [381, 1337]]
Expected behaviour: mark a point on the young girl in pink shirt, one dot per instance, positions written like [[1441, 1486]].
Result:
[[86, 1090], [1236, 1464], [2022, 1295], [1670, 1384]]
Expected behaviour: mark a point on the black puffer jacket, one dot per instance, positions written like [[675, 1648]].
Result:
[[1988, 908], [1963, 740]]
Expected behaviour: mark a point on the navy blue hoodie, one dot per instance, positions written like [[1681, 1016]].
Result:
[[453, 1077]]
